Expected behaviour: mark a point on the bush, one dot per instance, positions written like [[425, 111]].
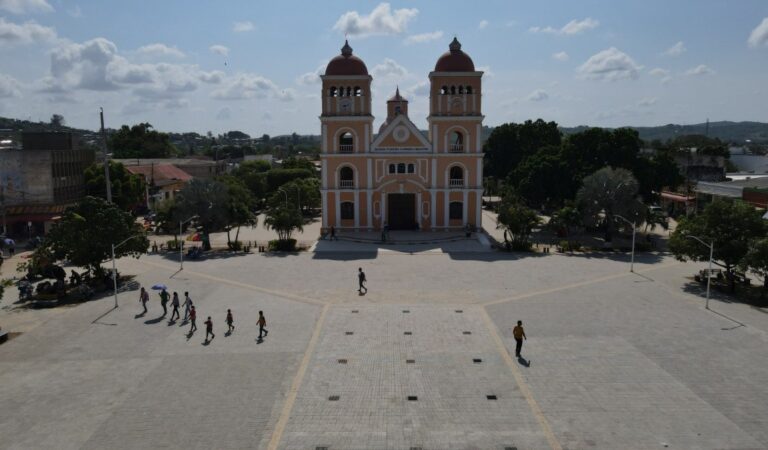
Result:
[[519, 246], [282, 245], [235, 246], [567, 246], [172, 244]]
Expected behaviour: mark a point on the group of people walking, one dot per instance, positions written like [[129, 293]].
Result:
[[190, 314]]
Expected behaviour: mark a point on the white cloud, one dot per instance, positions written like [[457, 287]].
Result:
[[759, 36], [420, 89], [245, 86], [310, 78], [389, 68], [650, 101], [25, 6], [176, 103], [286, 95], [663, 73], [487, 72], [537, 96], [224, 113], [483, 23], [85, 65], [571, 28], [610, 64], [158, 49], [423, 37], [382, 20], [510, 23], [9, 86], [560, 56], [676, 50], [25, 33], [75, 12], [214, 77], [242, 27], [219, 50], [701, 69]]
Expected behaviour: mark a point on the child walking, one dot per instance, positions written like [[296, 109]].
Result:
[[230, 321]]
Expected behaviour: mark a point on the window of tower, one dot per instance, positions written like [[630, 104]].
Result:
[[456, 142], [401, 168], [332, 92], [453, 90], [469, 89], [358, 91], [444, 90], [461, 89], [346, 178], [346, 143], [392, 168]]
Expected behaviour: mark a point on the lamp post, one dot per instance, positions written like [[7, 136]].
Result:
[[634, 231], [114, 269], [286, 195], [181, 239], [709, 271]]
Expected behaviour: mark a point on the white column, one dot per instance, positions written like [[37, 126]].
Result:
[[357, 209], [434, 173], [324, 173], [479, 173], [369, 209], [384, 218], [479, 209], [367, 137], [325, 138], [465, 206], [435, 139], [479, 143], [338, 207], [325, 208], [446, 198], [369, 169], [433, 208]]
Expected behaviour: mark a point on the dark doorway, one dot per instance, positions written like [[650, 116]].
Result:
[[401, 211]]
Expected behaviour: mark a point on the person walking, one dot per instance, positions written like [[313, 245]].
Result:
[[164, 301], [187, 305], [519, 333], [175, 304], [262, 325], [209, 329], [361, 281], [143, 299], [230, 321], [192, 317]]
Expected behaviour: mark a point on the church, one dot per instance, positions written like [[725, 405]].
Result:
[[398, 177]]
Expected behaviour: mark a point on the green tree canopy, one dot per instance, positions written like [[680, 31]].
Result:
[[240, 205], [756, 260], [128, 190], [731, 225], [140, 141], [278, 177], [606, 193], [284, 220], [208, 202], [518, 220], [86, 232], [306, 190], [299, 163], [543, 178], [511, 143]]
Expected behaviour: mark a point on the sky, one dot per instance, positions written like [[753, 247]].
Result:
[[253, 66]]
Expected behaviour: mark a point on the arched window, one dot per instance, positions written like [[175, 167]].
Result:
[[332, 92], [349, 91], [461, 89], [346, 143], [456, 142], [398, 110], [347, 211], [453, 90], [358, 91], [401, 168], [346, 178], [411, 168], [444, 90], [392, 168], [456, 176], [456, 211], [469, 89]]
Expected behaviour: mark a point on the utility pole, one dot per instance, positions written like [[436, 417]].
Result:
[[106, 156], [2, 206]]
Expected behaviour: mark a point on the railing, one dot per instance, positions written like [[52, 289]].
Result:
[[346, 184], [456, 148], [456, 182], [346, 148]]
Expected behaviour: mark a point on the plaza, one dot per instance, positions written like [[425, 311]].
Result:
[[424, 360]]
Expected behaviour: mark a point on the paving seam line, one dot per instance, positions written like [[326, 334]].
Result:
[[287, 296], [277, 433], [576, 285], [521, 384]]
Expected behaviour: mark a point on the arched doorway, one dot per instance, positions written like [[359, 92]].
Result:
[[401, 212]]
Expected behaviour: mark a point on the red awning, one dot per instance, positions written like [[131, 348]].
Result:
[[680, 198]]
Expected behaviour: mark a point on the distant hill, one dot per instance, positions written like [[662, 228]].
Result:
[[733, 132]]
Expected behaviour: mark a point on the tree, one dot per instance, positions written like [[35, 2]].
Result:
[[128, 190], [208, 202], [518, 220], [543, 179], [731, 225], [284, 220], [240, 205], [235, 134], [756, 260], [87, 231], [564, 219], [254, 175], [278, 177], [141, 141], [511, 143], [57, 120], [306, 190], [594, 148], [298, 163], [656, 173], [607, 193]]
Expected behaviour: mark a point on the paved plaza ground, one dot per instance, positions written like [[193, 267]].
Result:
[[614, 360]]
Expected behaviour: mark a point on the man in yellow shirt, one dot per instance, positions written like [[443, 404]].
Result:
[[519, 335]]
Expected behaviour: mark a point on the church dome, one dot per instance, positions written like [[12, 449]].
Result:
[[455, 60], [346, 63]]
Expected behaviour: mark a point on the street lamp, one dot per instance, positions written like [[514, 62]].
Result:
[[298, 196], [114, 269], [709, 271], [181, 239], [286, 195], [634, 230]]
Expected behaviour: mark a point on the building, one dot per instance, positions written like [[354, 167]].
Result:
[[163, 181], [39, 179], [197, 168], [400, 177], [753, 190]]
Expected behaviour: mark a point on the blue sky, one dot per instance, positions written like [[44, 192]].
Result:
[[253, 65]]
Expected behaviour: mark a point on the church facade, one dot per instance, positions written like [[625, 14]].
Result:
[[398, 177]]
